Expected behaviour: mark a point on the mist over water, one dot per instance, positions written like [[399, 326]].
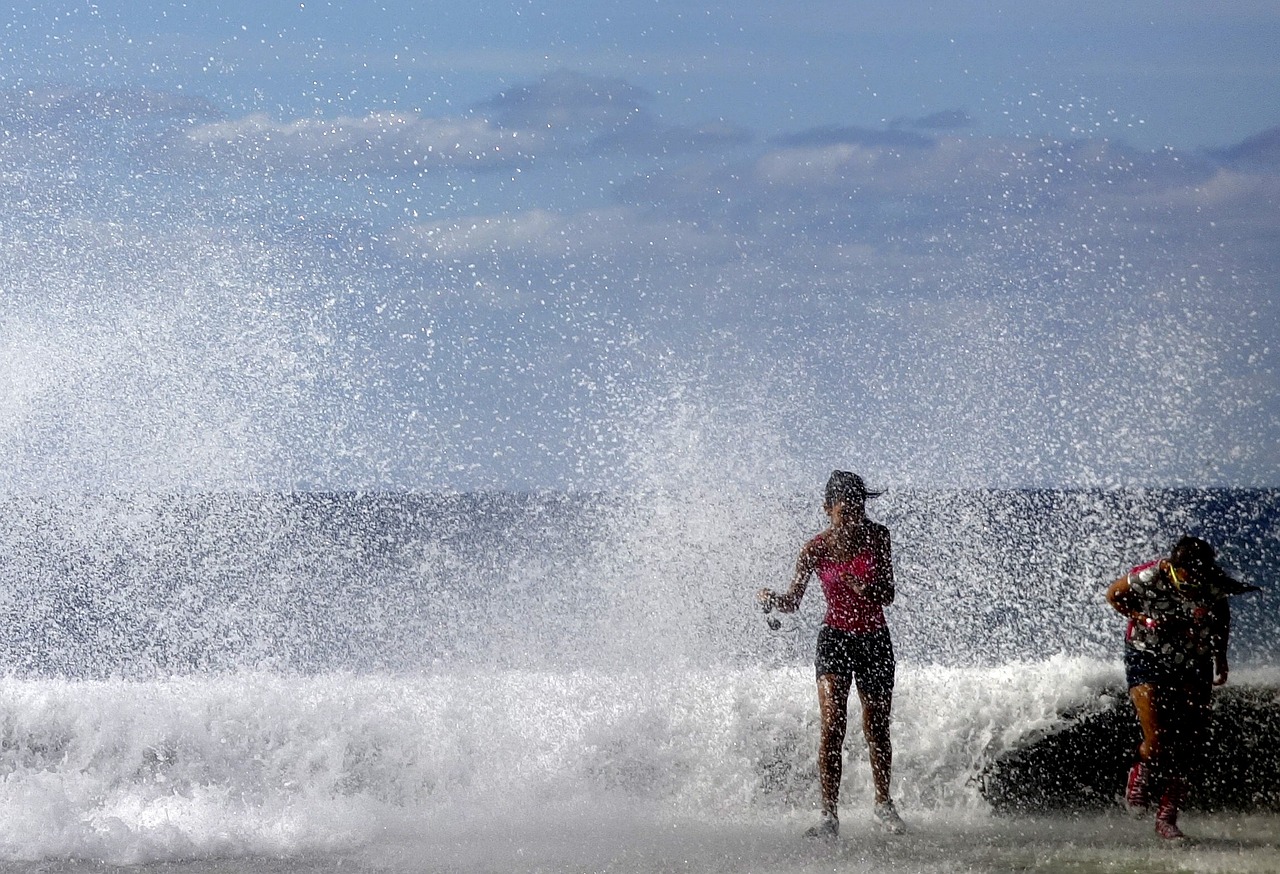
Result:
[[174, 393], [137, 363], [151, 586]]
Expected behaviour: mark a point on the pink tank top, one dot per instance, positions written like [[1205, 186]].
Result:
[[848, 610]]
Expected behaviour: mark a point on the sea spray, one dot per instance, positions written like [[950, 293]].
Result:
[[264, 763], [134, 770]]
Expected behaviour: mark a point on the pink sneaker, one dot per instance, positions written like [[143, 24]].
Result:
[[1175, 794], [1135, 788]]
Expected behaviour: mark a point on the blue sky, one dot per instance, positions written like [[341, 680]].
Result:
[[1157, 73], [579, 245]]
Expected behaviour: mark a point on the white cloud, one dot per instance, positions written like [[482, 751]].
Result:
[[610, 234], [381, 142], [1254, 194], [567, 115]]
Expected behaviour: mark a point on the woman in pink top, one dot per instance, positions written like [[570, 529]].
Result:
[[854, 562]]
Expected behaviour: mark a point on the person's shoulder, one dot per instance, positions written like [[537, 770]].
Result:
[[1146, 576], [816, 546], [1147, 571]]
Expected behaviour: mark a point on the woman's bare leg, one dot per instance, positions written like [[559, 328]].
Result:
[[833, 706], [875, 728], [1146, 705]]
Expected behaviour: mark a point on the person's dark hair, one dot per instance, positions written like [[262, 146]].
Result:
[[848, 487], [1192, 553]]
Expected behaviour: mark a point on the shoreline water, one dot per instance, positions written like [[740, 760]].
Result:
[[634, 842], [199, 770]]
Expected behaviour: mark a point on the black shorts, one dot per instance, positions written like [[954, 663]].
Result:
[[868, 658], [1145, 668]]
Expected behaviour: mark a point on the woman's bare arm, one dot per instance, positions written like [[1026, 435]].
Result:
[[790, 601], [1120, 597]]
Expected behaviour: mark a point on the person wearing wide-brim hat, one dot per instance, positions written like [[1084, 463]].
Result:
[[853, 559]]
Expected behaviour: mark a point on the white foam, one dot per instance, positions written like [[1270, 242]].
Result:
[[215, 767]]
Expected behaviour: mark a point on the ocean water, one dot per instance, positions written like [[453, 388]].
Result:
[[569, 683]]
